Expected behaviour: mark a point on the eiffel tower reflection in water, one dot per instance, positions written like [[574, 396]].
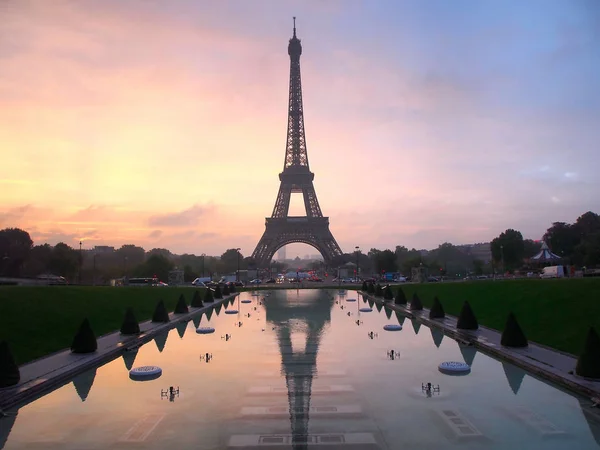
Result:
[[307, 312]]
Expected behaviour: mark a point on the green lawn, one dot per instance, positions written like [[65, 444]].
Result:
[[556, 313], [40, 320]]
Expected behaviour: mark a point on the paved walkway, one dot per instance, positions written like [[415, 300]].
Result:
[[49, 372], [546, 362]]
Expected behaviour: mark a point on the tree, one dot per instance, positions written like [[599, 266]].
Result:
[[15, 246], [156, 264], [85, 339], [588, 363], [130, 324], [383, 260], [562, 238], [63, 261], [508, 248], [531, 248], [467, 319], [160, 251], [478, 266], [229, 260], [39, 260]]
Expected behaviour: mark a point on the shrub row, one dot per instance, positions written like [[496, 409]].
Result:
[[85, 338], [588, 363]]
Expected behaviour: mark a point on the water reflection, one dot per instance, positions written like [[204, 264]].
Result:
[[181, 327], [468, 353], [401, 318], [416, 325], [129, 358], [218, 309], [83, 383], [6, 424], [290, 313], [514, 376], [388, 313], [160, 341], [196, 320], [591, 417], [437, 335]]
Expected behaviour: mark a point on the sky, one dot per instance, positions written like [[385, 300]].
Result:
[[163, 124]]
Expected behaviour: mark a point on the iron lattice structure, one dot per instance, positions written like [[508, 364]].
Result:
[[296, 177]]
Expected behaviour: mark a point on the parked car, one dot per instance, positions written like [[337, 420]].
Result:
[[256, 281], [270, 280]]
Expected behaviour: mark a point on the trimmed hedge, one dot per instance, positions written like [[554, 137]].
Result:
[[513, 335], [232, 289], [467, 319], [415, 304], [9, 371], [378, 290], [364, 287], [208, 296], [218, 294], [181, 307], [400, 297], [160, 313], [588, 363], [387, 293], [197, 300], [130, 323], [85, 339], [370, 288], [437, 310], [225, 290]]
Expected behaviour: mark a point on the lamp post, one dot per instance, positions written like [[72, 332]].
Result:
[[238, 269], [80, 261], [203, 255], [357, 248], [94, 275]]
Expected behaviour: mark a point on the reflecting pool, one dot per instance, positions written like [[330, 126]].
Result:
[[304, 369]]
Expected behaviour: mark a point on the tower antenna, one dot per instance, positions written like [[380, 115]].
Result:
[[294, 27]]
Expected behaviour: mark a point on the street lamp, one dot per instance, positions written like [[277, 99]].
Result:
[[203, 255], [357, 248], [80, 261], [94, 276], [238, 270]]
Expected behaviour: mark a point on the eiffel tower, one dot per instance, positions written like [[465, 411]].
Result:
[[313, 228], [299, 366]]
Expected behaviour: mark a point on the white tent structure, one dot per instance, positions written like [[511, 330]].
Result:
[[545, 255]]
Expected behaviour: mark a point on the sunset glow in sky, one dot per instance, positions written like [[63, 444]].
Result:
[[163, 123]]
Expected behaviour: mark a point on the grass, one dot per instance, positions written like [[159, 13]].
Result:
[[37, 321], [556, 313], [40, 320]]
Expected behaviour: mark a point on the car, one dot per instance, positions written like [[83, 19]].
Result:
[[255, 281], [400, 280], [270, 280]]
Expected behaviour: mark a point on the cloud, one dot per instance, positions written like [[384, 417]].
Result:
[[155, 234], [183, 218]]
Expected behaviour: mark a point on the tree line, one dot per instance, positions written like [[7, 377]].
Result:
[[577, 243]]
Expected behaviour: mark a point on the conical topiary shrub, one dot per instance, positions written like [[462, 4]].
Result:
[[415, 304], [387, 293], [232, 289], [378, 291], [130, 324], [218, 294], [364, 287], [513, 336], [208, 296], [160, 313], [467, 319], [370, 288], [400, 297], [437, 310], [9, 371], [197, 300], [225, 290], [181, 307], [85, 339], [588, 364]]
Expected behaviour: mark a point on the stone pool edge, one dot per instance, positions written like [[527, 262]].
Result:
[[57, 374], [564, 379]]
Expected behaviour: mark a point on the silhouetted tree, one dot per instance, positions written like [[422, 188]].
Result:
[[400, 297], [130, 324], [513, 335], [160, 313], [197, 300], [9, 371], [181, 307], [415, 304], [467, 319], [85, 339], [437, 310]]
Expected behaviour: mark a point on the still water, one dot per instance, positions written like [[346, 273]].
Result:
[[304, 369]]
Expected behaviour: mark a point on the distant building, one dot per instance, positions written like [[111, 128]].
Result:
[[103, 249], [281, 254]]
